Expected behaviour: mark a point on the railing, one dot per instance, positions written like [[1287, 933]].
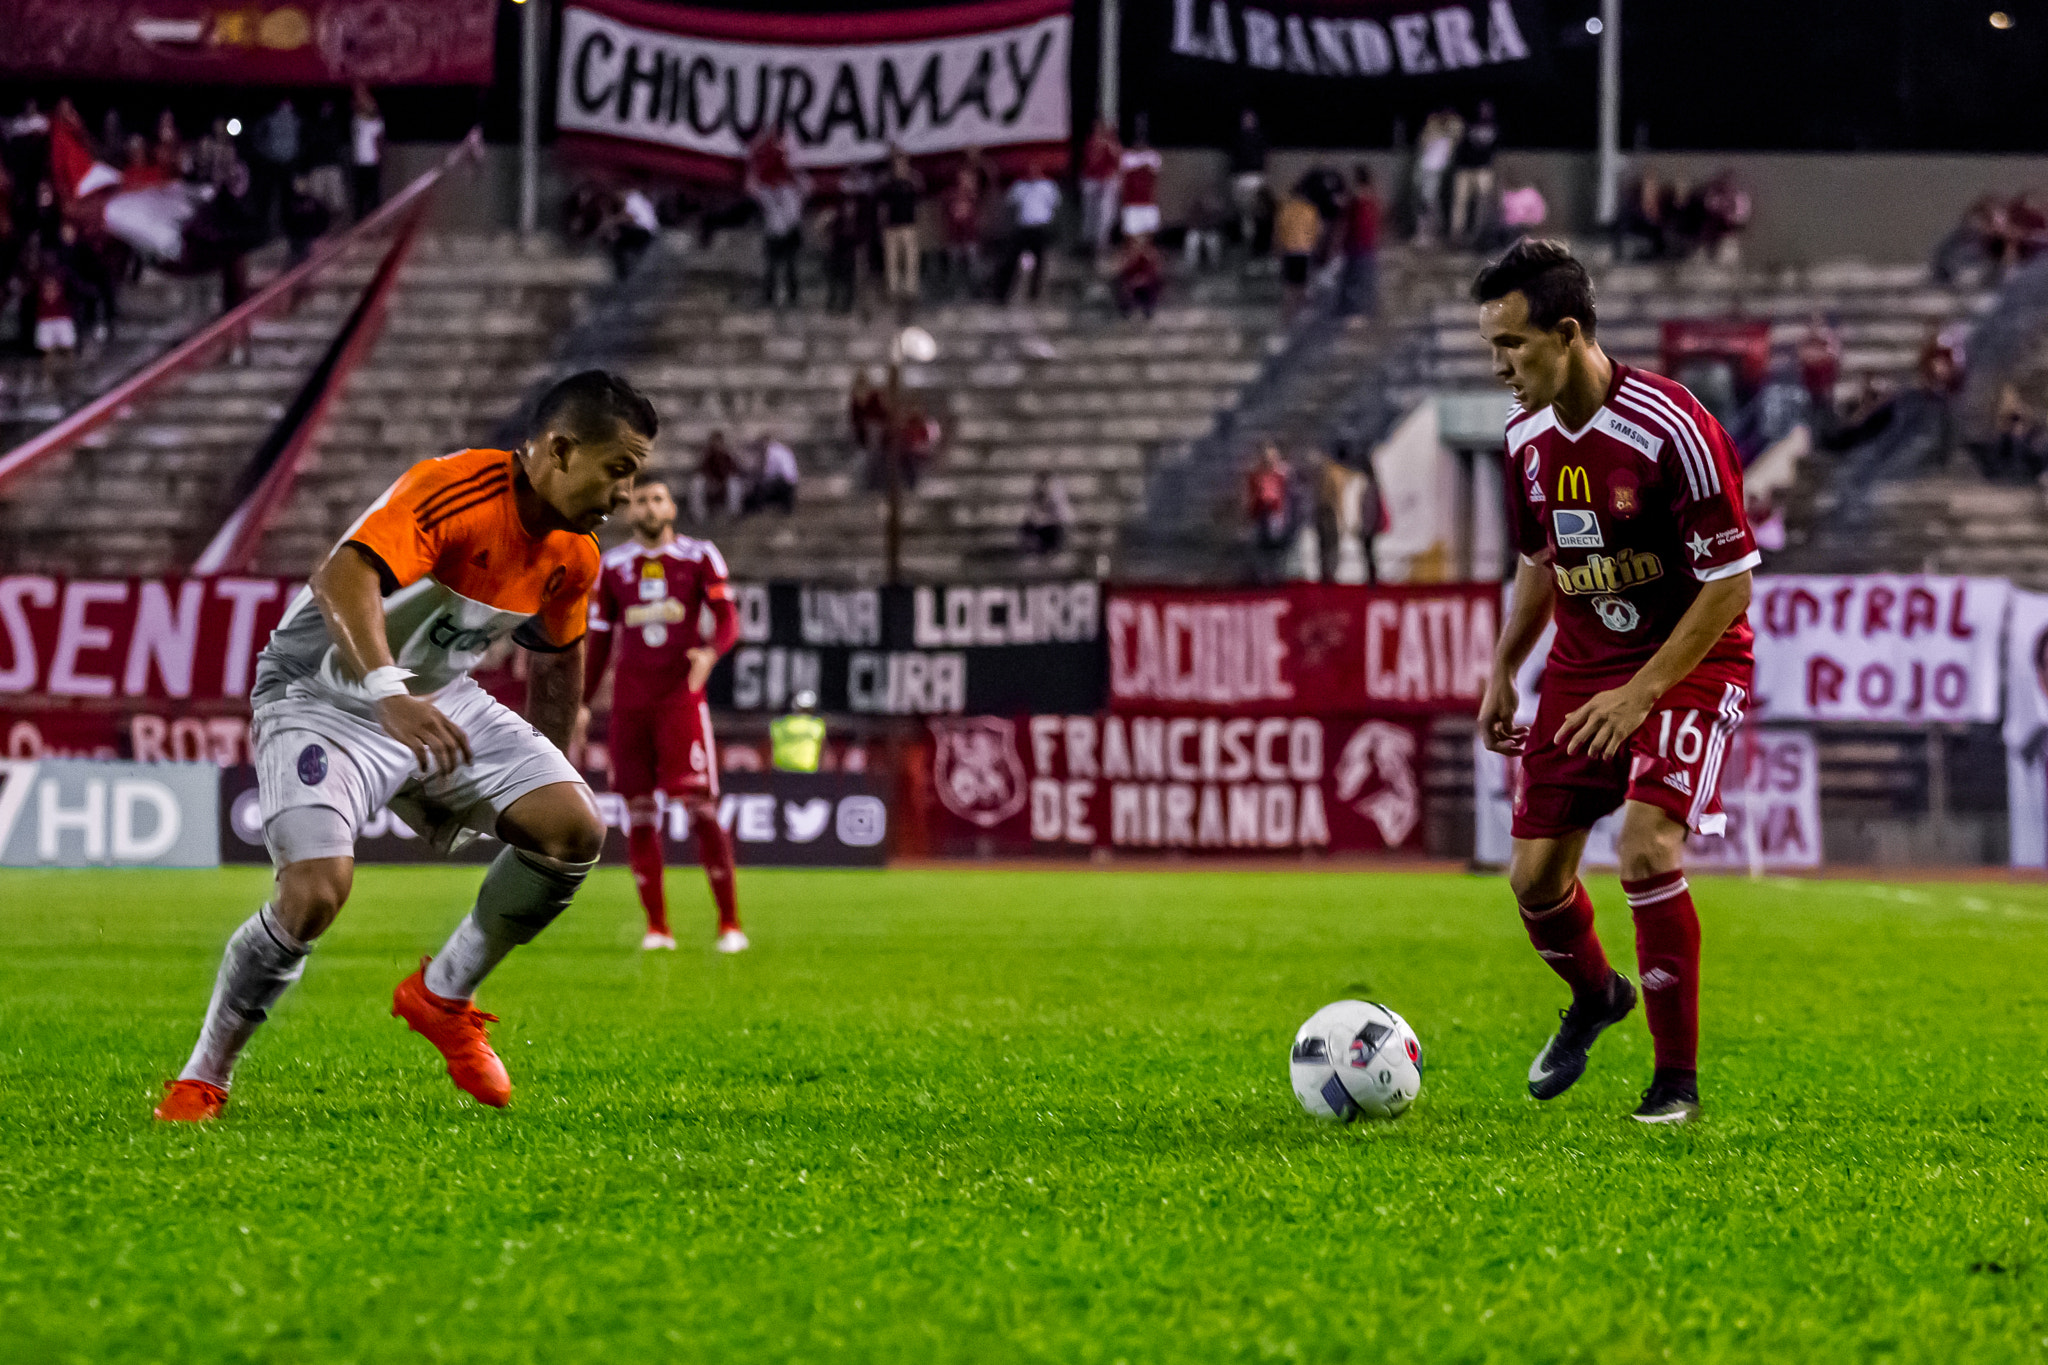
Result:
[[201, 346]]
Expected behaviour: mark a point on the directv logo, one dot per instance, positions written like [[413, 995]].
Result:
[[1577, 528]]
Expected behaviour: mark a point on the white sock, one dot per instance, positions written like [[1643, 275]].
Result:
[[260, 962], [466, 959]]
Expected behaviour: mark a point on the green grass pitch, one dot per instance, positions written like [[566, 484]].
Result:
[[997, 1115]]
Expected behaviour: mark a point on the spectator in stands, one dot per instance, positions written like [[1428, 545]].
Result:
[[139, 170], [213, 155], [779, 189], [1639, 230], [1140, 277], [1138, 187], [305, 219], [1046, 519], [56, 328], [168, 151], [1202, 246], [1101, 171], [326, 148], [867, 411], [716, 488], [2026, 226], [1724, 213], [898, 197], [1336, 513], [1820, 367], [961, 210], [1472, 181], [274, 148], [1435, 146], [1522, 214], [1269, 504], [1360, 291], [845, 239], [1034, 201], [1983, 239], [1248, 175], [917, 437], [113, 136], [775, 482], [2018, 452], [366, 152], [1371, 517], [633, 230], [1297, 229]]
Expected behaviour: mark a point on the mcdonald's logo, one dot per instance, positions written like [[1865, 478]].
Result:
[[1572, 482]]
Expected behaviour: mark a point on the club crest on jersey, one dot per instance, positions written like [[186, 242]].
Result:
[[1618, 614], [312, 765], [1577, 528], [1621, 494]]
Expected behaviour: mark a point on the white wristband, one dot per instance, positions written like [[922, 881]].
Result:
[[388, 681]]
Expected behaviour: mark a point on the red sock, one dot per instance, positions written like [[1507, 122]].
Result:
[[1668, 956], [643, 851], [714, 849], [1563, 934]]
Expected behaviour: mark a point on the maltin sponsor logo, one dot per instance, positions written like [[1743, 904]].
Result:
[[1609, 574]]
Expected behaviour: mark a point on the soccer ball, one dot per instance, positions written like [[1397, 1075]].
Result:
[[1356, 1058]]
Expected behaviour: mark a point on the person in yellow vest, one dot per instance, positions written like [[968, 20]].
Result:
[[797, 741]]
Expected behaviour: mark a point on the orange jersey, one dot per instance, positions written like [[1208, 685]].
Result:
[[459, 572]]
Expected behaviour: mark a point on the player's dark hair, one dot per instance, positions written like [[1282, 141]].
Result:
[[651, 481], [1546, 274], [591, 406]]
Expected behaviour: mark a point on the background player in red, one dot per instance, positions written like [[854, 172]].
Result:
[[1625, 503], [650, 598]]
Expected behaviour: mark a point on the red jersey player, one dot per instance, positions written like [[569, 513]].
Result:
[[650, 597], [1625, 503]]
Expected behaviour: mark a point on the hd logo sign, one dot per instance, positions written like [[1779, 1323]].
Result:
[[86, 813]]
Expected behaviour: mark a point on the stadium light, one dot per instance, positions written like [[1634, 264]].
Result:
[[2000, 19], [234, 127], [1593, 26]]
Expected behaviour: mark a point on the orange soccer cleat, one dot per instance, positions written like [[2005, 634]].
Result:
[[456, 1027], [190, 1102]]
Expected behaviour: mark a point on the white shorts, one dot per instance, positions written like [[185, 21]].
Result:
[[313, 753], [1141, 220], [56, 334]]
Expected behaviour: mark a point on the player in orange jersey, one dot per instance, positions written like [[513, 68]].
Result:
[[363, 699]]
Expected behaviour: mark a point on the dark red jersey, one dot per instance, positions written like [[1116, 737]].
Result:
[[648, 609], [1632, 512]]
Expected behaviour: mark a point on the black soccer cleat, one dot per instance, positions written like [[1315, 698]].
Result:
[[1563, 1059], [1669, 1100]]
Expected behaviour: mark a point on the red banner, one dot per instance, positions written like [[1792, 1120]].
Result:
[[86, 640], [1302, 648], [254, 42], [1208, 784]]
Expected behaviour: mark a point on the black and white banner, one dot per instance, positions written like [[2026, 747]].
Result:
[[926, 651], [1320, 71], [844, 88]]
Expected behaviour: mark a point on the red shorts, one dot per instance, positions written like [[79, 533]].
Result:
[[1673, 762], [664, 748]]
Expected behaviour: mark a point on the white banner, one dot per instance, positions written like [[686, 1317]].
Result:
[[1877, 647], [67, 812], [1770, 788], [839, 102], [2026, 728]]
